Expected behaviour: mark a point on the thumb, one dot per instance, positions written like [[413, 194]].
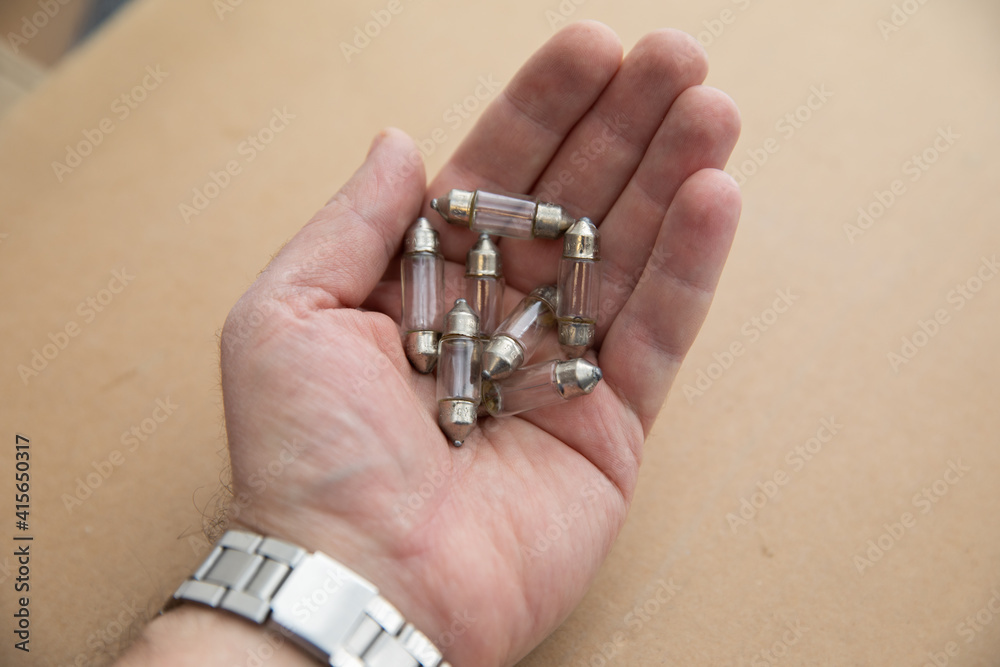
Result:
[[345, 248]]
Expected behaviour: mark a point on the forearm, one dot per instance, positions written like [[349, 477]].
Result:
[[314, 599], [196, 635]]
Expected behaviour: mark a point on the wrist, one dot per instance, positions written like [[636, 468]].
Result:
[[193, 634], [330, 610], [401, 585]]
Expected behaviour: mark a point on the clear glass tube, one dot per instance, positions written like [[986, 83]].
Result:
[[529, 388], [579, 290], [422, 277], [528, 323], [459, 369], [485, 297], [503, 215]]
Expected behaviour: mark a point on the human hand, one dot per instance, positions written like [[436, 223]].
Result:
[[468, 533]]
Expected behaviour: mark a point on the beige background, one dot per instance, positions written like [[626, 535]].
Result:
[[740, 590]]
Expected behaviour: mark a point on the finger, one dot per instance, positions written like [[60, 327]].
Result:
[[657, 325], [699, 132], [339, 256], [523, 128], [604, 149], [611, 439]]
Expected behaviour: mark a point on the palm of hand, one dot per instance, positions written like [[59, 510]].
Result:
[[488, 547]]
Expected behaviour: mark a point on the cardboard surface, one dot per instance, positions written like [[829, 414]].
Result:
[[812, 308]]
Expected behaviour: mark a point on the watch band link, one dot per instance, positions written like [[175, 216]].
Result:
[[328, 609]]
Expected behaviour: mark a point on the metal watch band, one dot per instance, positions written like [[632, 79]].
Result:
[[326, 608]]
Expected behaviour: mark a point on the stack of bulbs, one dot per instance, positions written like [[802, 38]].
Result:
[[479, 356]]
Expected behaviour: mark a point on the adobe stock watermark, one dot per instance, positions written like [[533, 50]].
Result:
[[107, 640], [562, 13], [796, 458], [957, 298], [657, 262], [424, 649], [435, 478], [583, 158], [453, 117], [914, 168], [560, 522], [136, 436], [751, 330], [787, 126], [246, 152], [266, 475], [715, 27], [773, 654], [968, 629], [266, 649], [228, 507], [32, 25], [225, 7], [899, 16], [104, 639], [274, 641], [634, 620], [241, 332], [121, 108], [59, 340], [363, 35], [460, 624], [925, 501]]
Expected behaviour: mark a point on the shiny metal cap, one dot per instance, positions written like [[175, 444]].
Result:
[[576, 377], [455, 207], [575, 337], [502, 356], [551, 221], [421, 237], [422, 349], [492, 398], [547, 293], [483, 259], [582, 241], [457, 419], [461, 321]]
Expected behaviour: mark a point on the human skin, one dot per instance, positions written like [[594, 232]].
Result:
[[325, 368]]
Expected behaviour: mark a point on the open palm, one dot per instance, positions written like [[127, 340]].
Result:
[[333, 436]]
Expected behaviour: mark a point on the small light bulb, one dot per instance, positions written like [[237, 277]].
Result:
[[422, 276], [519, 334], [459, 374], [579, 287], [540, 385], [484, 284], [517, 216]]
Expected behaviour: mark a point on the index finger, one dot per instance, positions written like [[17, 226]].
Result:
[[520, 132]]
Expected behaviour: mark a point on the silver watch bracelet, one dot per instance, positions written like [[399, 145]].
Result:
[[323, 606]]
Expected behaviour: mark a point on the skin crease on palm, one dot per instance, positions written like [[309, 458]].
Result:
[[326, 369]]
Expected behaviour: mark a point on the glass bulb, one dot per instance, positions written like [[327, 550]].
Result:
[[540, 385]]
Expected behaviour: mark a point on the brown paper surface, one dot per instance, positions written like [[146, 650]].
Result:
[[793, 362]]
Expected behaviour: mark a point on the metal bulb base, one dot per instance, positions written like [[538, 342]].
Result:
[[422, 349], [457, 419], [576, 337], [502, 357]]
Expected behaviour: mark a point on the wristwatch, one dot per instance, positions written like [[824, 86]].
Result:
[[326, 608]]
